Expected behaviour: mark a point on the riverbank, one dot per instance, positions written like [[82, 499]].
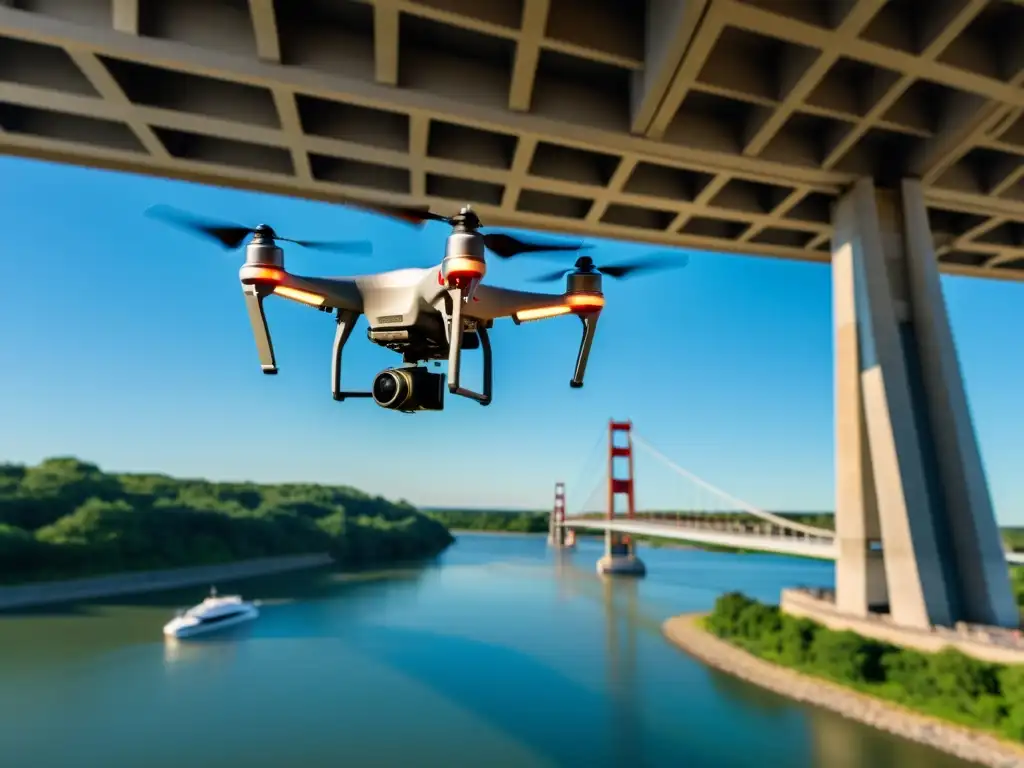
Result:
[[685, 632], [44, 593]]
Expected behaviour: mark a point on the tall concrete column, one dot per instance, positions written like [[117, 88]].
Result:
[[908, 471]]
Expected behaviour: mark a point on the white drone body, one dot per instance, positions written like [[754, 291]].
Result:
[[423, 314]]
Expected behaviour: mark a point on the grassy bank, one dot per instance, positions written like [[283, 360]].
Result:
[[948, 685], [66, 518]]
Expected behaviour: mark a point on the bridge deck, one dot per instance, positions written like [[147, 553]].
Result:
[[798, 544], [823, 549], [715, 124]]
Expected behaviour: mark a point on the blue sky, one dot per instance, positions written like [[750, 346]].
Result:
[[125, 342]]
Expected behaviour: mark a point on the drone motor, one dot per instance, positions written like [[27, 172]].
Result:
[[262, 250], [409, 389], [463, 261]]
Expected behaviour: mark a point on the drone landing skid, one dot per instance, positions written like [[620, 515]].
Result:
[[455, 339], [346, 320], [589, 330]]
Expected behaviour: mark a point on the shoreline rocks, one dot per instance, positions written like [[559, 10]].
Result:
[[975, 746]]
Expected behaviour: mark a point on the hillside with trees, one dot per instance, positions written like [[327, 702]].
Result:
[[66, 518]]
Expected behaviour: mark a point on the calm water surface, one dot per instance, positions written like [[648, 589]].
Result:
[[502, 655]]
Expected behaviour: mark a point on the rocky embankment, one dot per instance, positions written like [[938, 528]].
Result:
[[686, 632]]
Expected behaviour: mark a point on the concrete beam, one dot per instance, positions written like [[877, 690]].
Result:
[[264, 27], [124, 16], [108, 88], [291, 124], [385, 41], [802, 72], [669, 28], [524, 69]]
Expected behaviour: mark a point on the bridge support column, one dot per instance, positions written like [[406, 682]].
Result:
[[558, 535], [915, 528], [620, 549]]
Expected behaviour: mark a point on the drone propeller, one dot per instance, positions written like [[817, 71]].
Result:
[[501, 244], [585, 264], [232, 236], [505, 246]]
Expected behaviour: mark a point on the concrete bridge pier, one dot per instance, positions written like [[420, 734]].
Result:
[[915, 531], [620, 557]]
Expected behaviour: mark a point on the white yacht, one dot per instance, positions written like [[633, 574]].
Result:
[[213, 613]]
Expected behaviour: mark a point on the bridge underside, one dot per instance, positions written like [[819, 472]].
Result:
[[716, 124]]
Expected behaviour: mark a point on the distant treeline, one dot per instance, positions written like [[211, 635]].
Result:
[[66, 518], [948, 684], [490, 520]]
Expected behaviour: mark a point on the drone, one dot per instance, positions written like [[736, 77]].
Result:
[[423, 314]]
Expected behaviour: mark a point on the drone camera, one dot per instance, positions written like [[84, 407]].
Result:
[[409, 389]]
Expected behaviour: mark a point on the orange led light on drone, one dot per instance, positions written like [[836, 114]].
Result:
[[262, 274], [295, 294], [542, 313], [585, 301], [462, 267]]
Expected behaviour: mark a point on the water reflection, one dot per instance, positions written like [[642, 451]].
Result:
[[510, 654], [619, 598], [194, 649]]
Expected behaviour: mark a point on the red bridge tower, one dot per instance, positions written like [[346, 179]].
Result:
[[558, 535], [619, 548]]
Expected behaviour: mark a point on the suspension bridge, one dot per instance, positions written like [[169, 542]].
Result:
[[704, 514]]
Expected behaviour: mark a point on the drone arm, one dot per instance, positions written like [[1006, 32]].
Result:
[[346, 320], [254, 296], [455, 334], [589, 321]]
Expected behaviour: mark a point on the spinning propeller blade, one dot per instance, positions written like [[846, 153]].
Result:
[[361, 247], [617, 271], [506, 246], [502, 245], [232, 236]]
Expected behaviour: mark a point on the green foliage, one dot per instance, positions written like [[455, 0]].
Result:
[[483, 520], [948, 684], [66, 518]]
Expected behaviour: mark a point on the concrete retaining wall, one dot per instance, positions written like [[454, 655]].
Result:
[[797, 603], [41, 593]]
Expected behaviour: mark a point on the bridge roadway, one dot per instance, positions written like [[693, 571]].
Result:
[[727, 125], [792, 543]]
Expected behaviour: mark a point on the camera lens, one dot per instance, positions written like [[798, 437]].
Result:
[[385, 387]]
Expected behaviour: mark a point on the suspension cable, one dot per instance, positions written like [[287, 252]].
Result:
[[584, 472], [810, 530]]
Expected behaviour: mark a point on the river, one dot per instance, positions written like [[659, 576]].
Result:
[[503, 654]]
